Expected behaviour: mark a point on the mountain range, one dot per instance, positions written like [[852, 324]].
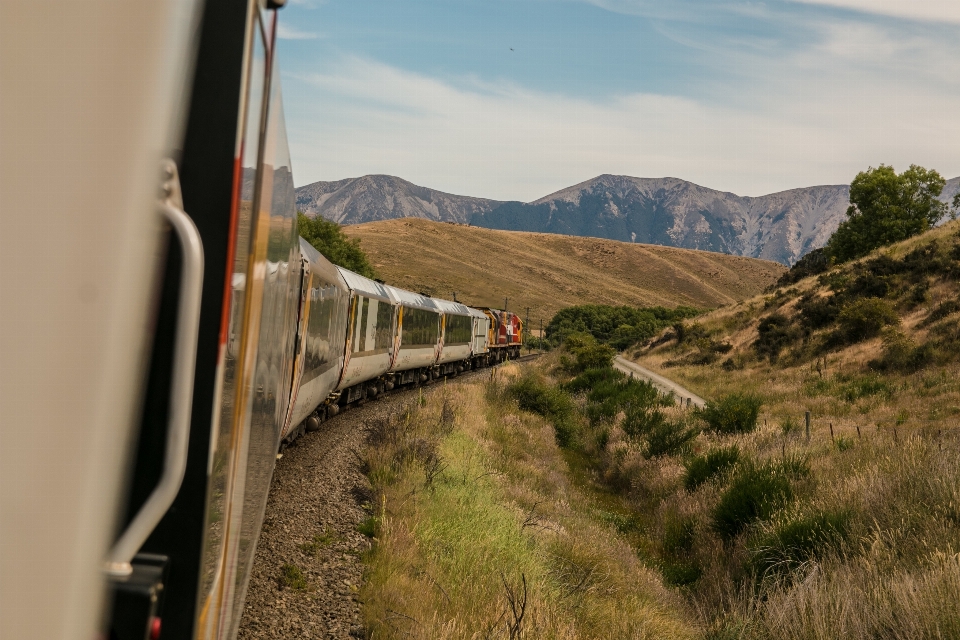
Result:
[[780, 226]]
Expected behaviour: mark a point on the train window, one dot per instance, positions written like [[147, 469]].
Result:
[[318, 356], [385, 326], [421, 328], [459, 330], [360, 332]]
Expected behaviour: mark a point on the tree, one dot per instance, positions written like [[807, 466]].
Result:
[[329, 239], [885, 208]]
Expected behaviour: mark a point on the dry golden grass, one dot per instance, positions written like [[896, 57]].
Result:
[[547, 272], [884, 449], [451, 554]]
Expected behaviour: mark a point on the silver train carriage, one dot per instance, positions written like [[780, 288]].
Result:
[[371, 339], [419, 333], [456, 339]]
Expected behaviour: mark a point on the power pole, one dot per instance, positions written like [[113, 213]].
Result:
[[526, 325], [504, 304], [540, 344]]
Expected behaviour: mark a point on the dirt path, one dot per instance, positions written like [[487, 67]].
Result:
[[665, 385]]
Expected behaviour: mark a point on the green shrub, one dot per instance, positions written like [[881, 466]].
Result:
[[679, 535], [814, 263], [734, 413], [620, 326], [328, 238], [775, 333], [640, 421], [900, 353], [864, 387], [608, 398], [554, 404], [791, 541], [817, 312], [590, 378], [864, 319], [754, 493], [668, 438], [595, 356], [700, 469]]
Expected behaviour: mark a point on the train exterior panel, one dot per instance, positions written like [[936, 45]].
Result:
[[419, 329], [372, 330], [324, 304], [479, 346], [457, 331]]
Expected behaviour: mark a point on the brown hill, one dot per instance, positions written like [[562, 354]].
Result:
[[547, 272]]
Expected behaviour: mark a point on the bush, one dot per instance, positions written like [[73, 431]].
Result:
[[554, 404], [790, 542], [864, 319], [328, 238], [640, 421], [677, 542], [755, 492], [607, 399], [863, 388], [817, 312], [620, 326], [812, 264], [734, 413], [901, 354], [700, 469], [668, 438], [596, 356], [591, 378], [775, 333]]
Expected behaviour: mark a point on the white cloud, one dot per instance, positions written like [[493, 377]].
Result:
[[862, 96], [287, 32], [925, 10]]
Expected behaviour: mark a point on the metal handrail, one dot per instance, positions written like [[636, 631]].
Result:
[[181, 396]]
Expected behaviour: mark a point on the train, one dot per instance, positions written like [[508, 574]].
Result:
[[165, 330]]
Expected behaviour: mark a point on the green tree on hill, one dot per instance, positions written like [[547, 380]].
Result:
[[329, 239], [886, 208]]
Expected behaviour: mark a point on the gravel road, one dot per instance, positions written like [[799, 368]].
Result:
[[317, 498], [665, 385]]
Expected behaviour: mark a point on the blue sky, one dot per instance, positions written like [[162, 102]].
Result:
[[515, 99]]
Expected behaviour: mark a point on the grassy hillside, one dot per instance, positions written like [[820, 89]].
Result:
[[547, 272], [854, 530]]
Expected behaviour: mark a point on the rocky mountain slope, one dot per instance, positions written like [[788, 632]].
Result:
[[378, 197], [668, 211]]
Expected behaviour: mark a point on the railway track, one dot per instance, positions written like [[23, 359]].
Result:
[[317, 499]]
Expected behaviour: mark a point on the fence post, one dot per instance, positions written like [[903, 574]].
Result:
[[807, 417]]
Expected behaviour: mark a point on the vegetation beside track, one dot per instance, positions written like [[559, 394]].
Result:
[[480, 532]]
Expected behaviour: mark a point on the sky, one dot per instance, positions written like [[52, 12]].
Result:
[[517, 99]]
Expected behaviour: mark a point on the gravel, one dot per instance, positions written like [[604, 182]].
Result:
[[317, 498]]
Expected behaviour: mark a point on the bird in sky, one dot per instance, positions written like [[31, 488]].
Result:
[[511, 48]]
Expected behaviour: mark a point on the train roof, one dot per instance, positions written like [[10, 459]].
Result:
[[411, 299], [320, 265], [365, 286], [452, 308], [476, 313]]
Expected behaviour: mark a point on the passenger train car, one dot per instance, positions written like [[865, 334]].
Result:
[[156, 359]]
